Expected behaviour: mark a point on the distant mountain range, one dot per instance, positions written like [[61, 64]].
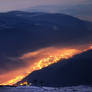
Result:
[[74, 71], [82, 11], [29, 30], [21, 32]]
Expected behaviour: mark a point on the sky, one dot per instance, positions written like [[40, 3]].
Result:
[[6, 5], [77, 8]]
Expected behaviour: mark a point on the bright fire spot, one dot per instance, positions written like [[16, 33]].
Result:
[[42, 58], [63, 54]]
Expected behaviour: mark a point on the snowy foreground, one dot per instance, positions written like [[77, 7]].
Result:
[[47, 89]]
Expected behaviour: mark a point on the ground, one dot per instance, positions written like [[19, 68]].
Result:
[[47, 89]]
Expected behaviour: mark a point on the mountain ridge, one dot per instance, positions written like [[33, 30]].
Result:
[[73, 71]]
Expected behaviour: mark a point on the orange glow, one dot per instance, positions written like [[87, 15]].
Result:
[[90, 47], [24, 83], [10, 82], [42, 58], [61, 54]]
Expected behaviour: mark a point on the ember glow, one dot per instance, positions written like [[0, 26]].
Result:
[[60, 54], [10, 82], [42, 58]]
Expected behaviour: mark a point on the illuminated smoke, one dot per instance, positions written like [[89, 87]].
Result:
[[42, 58]]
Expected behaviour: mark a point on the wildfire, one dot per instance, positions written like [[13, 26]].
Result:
[[24, 83], [42, 58], [18, 78], [61, 54]]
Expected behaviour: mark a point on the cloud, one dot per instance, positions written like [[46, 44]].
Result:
[[10, 64]]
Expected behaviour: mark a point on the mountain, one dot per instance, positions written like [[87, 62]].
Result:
[[22, 32], [82, 11], [35, 30], [74, 71]]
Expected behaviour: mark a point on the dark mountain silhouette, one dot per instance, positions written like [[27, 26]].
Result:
[[35, 30], [74, 71], [82, 11], [21, 32]]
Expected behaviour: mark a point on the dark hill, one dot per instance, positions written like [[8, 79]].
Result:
[[74, 71]]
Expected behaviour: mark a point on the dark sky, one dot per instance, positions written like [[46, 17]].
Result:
[[6, 5]]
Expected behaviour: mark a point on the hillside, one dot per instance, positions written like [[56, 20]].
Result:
[[74, 71]]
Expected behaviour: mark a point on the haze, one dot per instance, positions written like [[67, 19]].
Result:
[[8, 5]]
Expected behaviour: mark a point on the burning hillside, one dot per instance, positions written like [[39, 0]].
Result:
[[42, 58]]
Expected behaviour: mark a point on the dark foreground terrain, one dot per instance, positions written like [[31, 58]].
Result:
[[74, 71], [47, 89]]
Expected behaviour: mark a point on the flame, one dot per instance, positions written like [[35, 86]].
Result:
[[62, 54], [42, 58], [10, 82], [24, 83]]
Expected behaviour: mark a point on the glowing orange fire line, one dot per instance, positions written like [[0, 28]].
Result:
[[52, 55], [54, 59]]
